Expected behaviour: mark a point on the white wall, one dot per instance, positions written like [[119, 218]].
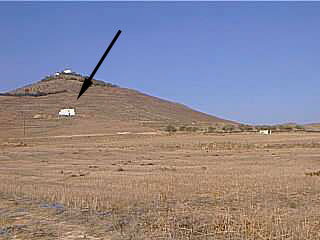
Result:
[[67, 112], [265, 132], [67, 71]]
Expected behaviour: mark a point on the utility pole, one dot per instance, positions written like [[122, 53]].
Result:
[[24, 124]]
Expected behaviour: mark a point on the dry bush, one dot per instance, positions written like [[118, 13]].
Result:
[[120, 169], [315, 173], [170, 129]]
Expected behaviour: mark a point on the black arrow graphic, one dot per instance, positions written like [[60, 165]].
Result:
[[87, 82]]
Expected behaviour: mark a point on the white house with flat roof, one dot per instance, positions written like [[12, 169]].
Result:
[[67, 112], [265, 132]]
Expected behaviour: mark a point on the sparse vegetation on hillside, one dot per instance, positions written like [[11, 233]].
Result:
[[245, 127], [32, 94], [211, 129], [192, 129], [286, 128], [170, 129], [182, 128], [48, 78], [102, 83], [77, 77], [264, 127], [299, 127], [228, 128]]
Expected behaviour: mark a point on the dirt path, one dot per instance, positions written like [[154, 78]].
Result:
[[90, 135]]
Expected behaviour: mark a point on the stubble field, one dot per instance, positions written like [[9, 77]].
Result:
[[160, 186]]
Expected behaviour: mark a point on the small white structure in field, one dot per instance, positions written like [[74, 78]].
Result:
[[57, 74], [265, 132], [68, 112], [67, 70]]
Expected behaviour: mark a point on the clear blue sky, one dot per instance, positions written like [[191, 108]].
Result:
[[250, 62]]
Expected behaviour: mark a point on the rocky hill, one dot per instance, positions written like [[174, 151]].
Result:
[[103, 108]]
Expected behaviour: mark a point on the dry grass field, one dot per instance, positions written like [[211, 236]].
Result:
[[111, 172], [160, 186]]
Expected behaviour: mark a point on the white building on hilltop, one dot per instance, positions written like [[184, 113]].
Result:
[[67, 71], [265, 132], [67, 112]]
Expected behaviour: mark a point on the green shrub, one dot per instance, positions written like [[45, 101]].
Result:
[[263, 127], [228, 128], [192, 129], [244, 127], [211, 129], [182, 128], [170, 129], [285, 128], [299, 127]]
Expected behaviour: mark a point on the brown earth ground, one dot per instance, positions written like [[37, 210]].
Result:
[[160, 186]]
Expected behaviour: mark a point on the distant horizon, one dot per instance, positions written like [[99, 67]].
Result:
[[248, 62]]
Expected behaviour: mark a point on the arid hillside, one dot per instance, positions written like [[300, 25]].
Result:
[[103, 108], [108, 173]]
